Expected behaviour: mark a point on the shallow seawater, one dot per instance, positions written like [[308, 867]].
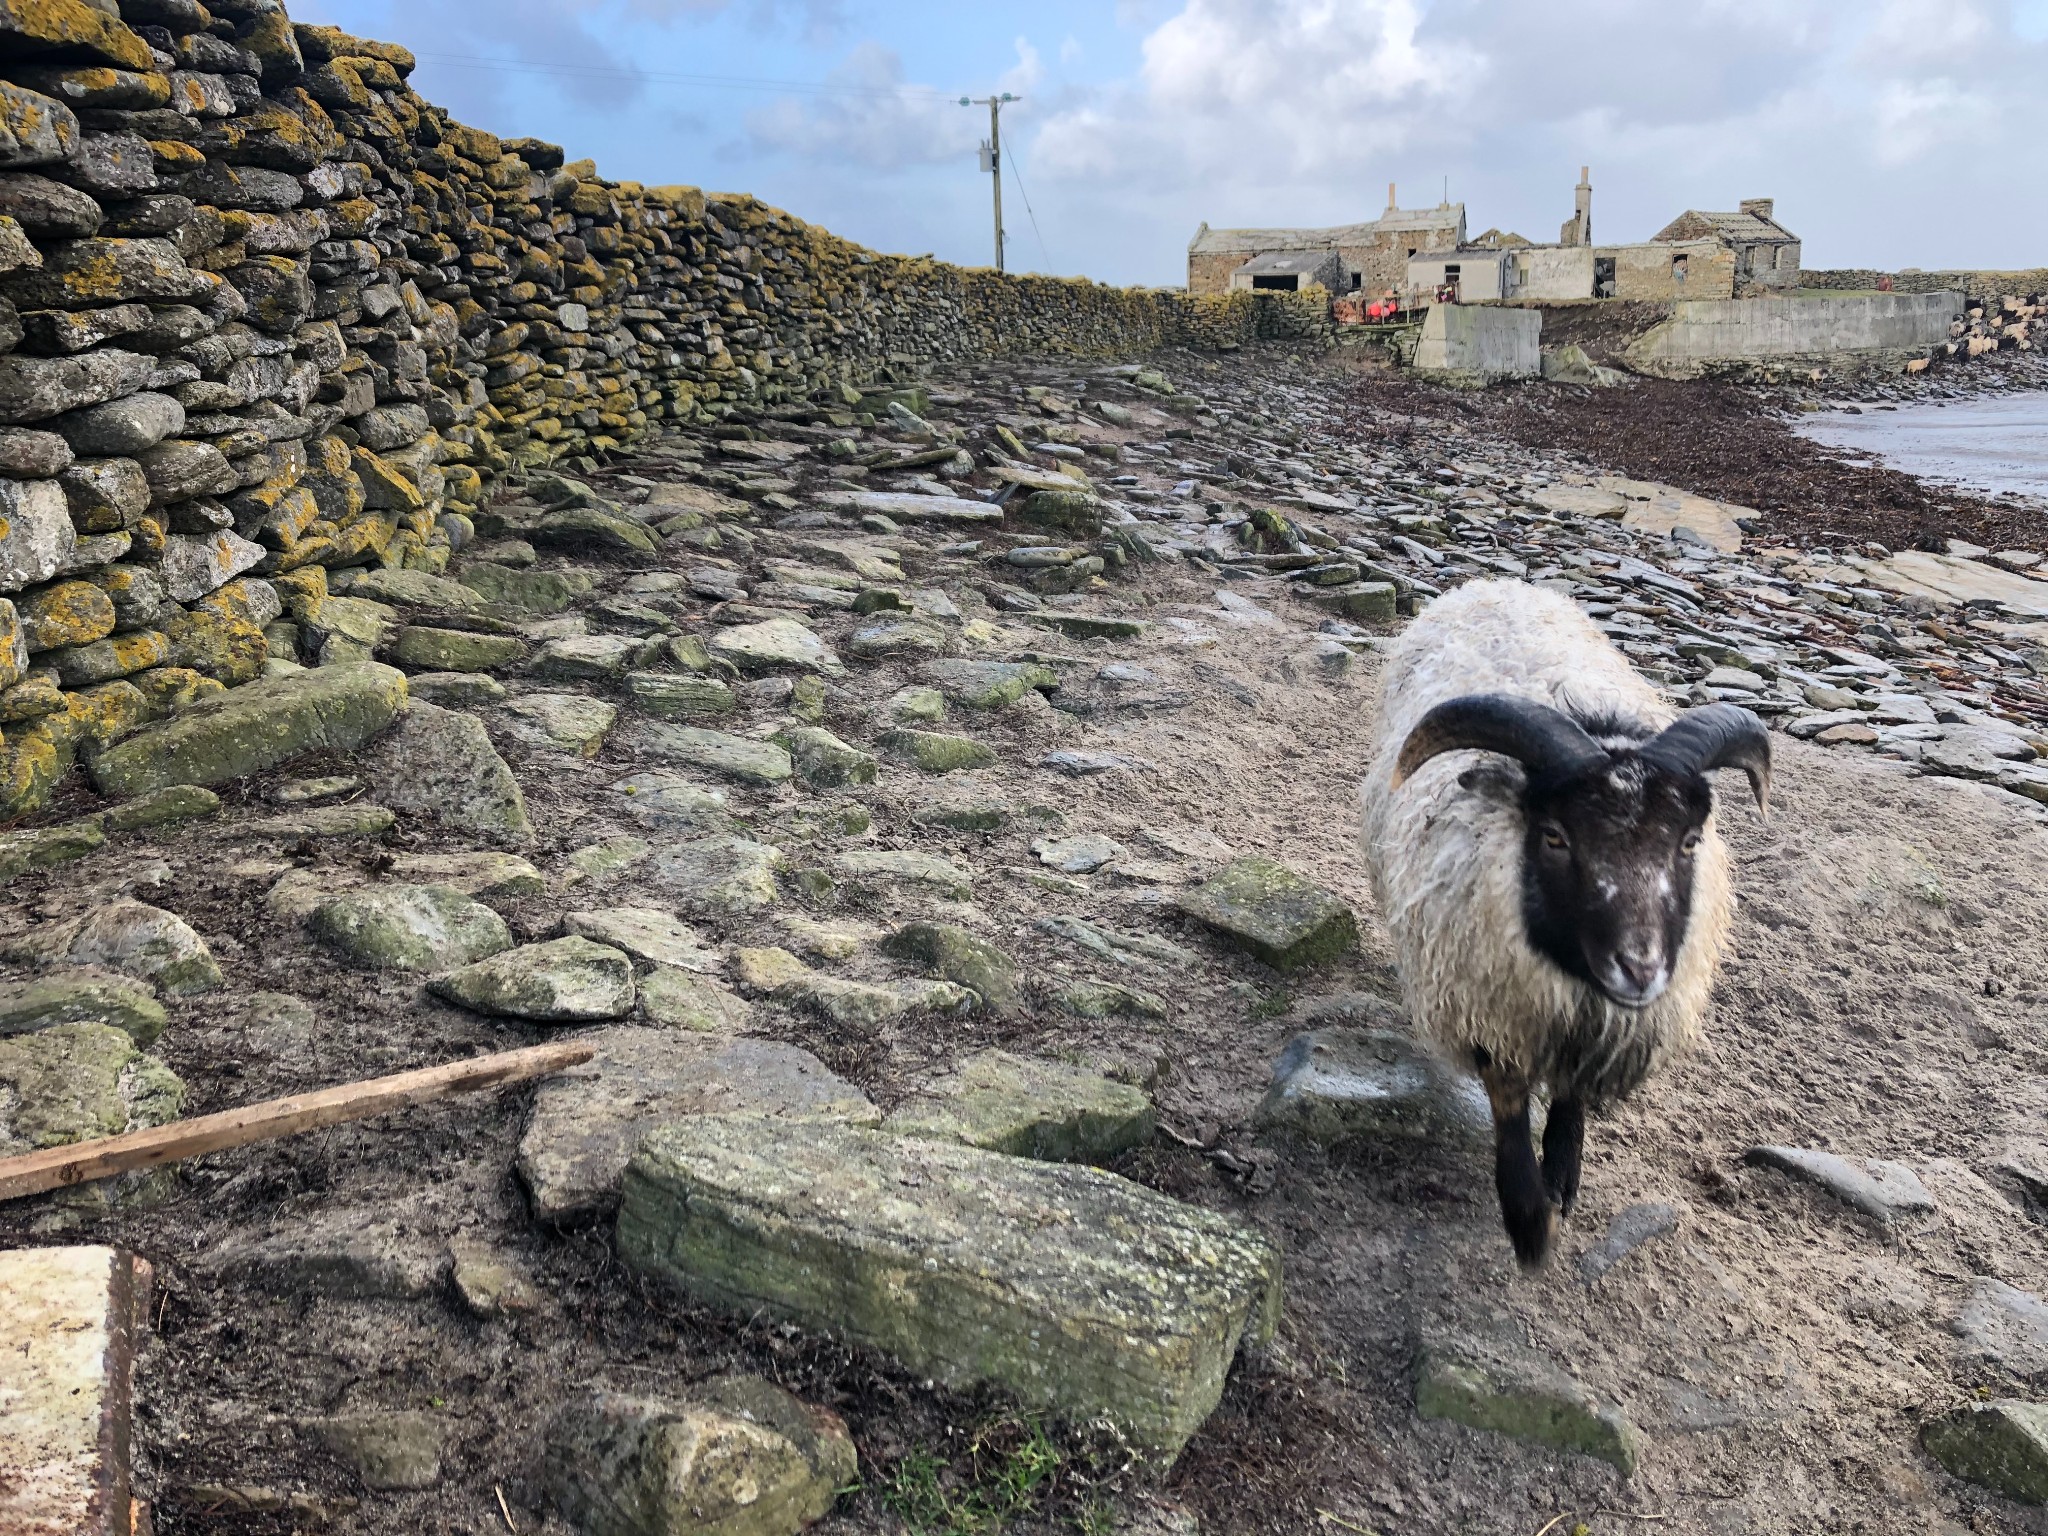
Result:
[[1990, 445]]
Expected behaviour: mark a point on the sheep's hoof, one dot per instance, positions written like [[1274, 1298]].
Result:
[[1563, 1191], [1532, 1232]]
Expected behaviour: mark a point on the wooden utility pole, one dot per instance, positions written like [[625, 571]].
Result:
[[992, 155]]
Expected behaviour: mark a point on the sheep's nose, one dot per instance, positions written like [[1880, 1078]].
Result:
[[1640, 964]]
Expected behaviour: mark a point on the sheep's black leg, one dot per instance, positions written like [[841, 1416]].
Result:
[[1524, 1203], [1564, 1137]]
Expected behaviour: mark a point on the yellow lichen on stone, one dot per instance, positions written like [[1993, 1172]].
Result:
[[65, 613], [170, 689]]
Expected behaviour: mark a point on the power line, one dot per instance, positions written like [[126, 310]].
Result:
[[1018, 177], [666, 77]]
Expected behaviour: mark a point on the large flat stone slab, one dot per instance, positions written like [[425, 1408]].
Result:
[[587, 1122], [735, 757], [71, 1320], [913, 506], [253, 728], [1952, 579], [1075, 1291]]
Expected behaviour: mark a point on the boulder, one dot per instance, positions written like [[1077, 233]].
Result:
[[390, 1451], [938, 1254], [440, 763], [422, 649], [963, 958], [130, 937], [1266, 908], [254, 728], [822, 760], [563, 981], [1999, 1445], [83, 996], [1338, 1085], [649, 936], [410, 927], [735, 1457], [73, 1082], [935, 751], [559, 722], [773, 644], [1028, 1108]]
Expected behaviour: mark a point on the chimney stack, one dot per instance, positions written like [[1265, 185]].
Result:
[[1390, 197], [1760, 206]]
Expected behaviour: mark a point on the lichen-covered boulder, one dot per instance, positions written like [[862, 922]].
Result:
[[735, 1457], [250, 729], [1276, 914], [1028, 1108], [563, 981]]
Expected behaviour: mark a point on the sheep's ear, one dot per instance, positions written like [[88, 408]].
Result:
[[1717, 736], [1542, 739]]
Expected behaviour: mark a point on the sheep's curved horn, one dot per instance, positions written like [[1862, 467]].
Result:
[[1542, 739], [1717, 736]]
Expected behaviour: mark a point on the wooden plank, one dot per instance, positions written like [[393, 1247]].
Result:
[[82, 1162]]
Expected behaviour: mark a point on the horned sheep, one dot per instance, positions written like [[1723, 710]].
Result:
[[1540, 832]]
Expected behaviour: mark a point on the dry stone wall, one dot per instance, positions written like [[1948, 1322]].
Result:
[[266, 313], [1974, 285]]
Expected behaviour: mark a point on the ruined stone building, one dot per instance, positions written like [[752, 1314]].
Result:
[[1696, 256], [1765, 254], [1374, 254]]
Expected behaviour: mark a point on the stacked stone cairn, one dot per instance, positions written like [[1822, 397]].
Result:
[[266, 317]]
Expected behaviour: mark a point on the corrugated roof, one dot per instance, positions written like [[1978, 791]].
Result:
[[1250, 242]]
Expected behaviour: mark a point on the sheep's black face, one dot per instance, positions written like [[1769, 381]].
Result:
[[1607, 873]]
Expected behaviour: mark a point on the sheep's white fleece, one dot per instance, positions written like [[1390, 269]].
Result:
[[1446, 861]]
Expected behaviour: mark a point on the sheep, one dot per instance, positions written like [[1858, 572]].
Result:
[[1558, 909]]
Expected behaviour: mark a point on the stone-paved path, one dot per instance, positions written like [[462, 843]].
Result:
[[940, 880]]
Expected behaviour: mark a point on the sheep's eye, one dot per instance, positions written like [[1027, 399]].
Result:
[[1553, 837], [1691, 844]]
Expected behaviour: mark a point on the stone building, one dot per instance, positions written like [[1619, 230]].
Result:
[[1375, 254], [1764, 253], [1480, 274]]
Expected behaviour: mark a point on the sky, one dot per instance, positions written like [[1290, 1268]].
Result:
[[1893, 133]]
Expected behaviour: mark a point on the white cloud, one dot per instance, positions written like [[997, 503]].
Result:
[[870, 115]]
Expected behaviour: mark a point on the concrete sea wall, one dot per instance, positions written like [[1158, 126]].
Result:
[[265, 313], [1481, 341], [1703, 333]]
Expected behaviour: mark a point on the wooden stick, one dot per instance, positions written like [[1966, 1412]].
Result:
[[106, 1156]]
